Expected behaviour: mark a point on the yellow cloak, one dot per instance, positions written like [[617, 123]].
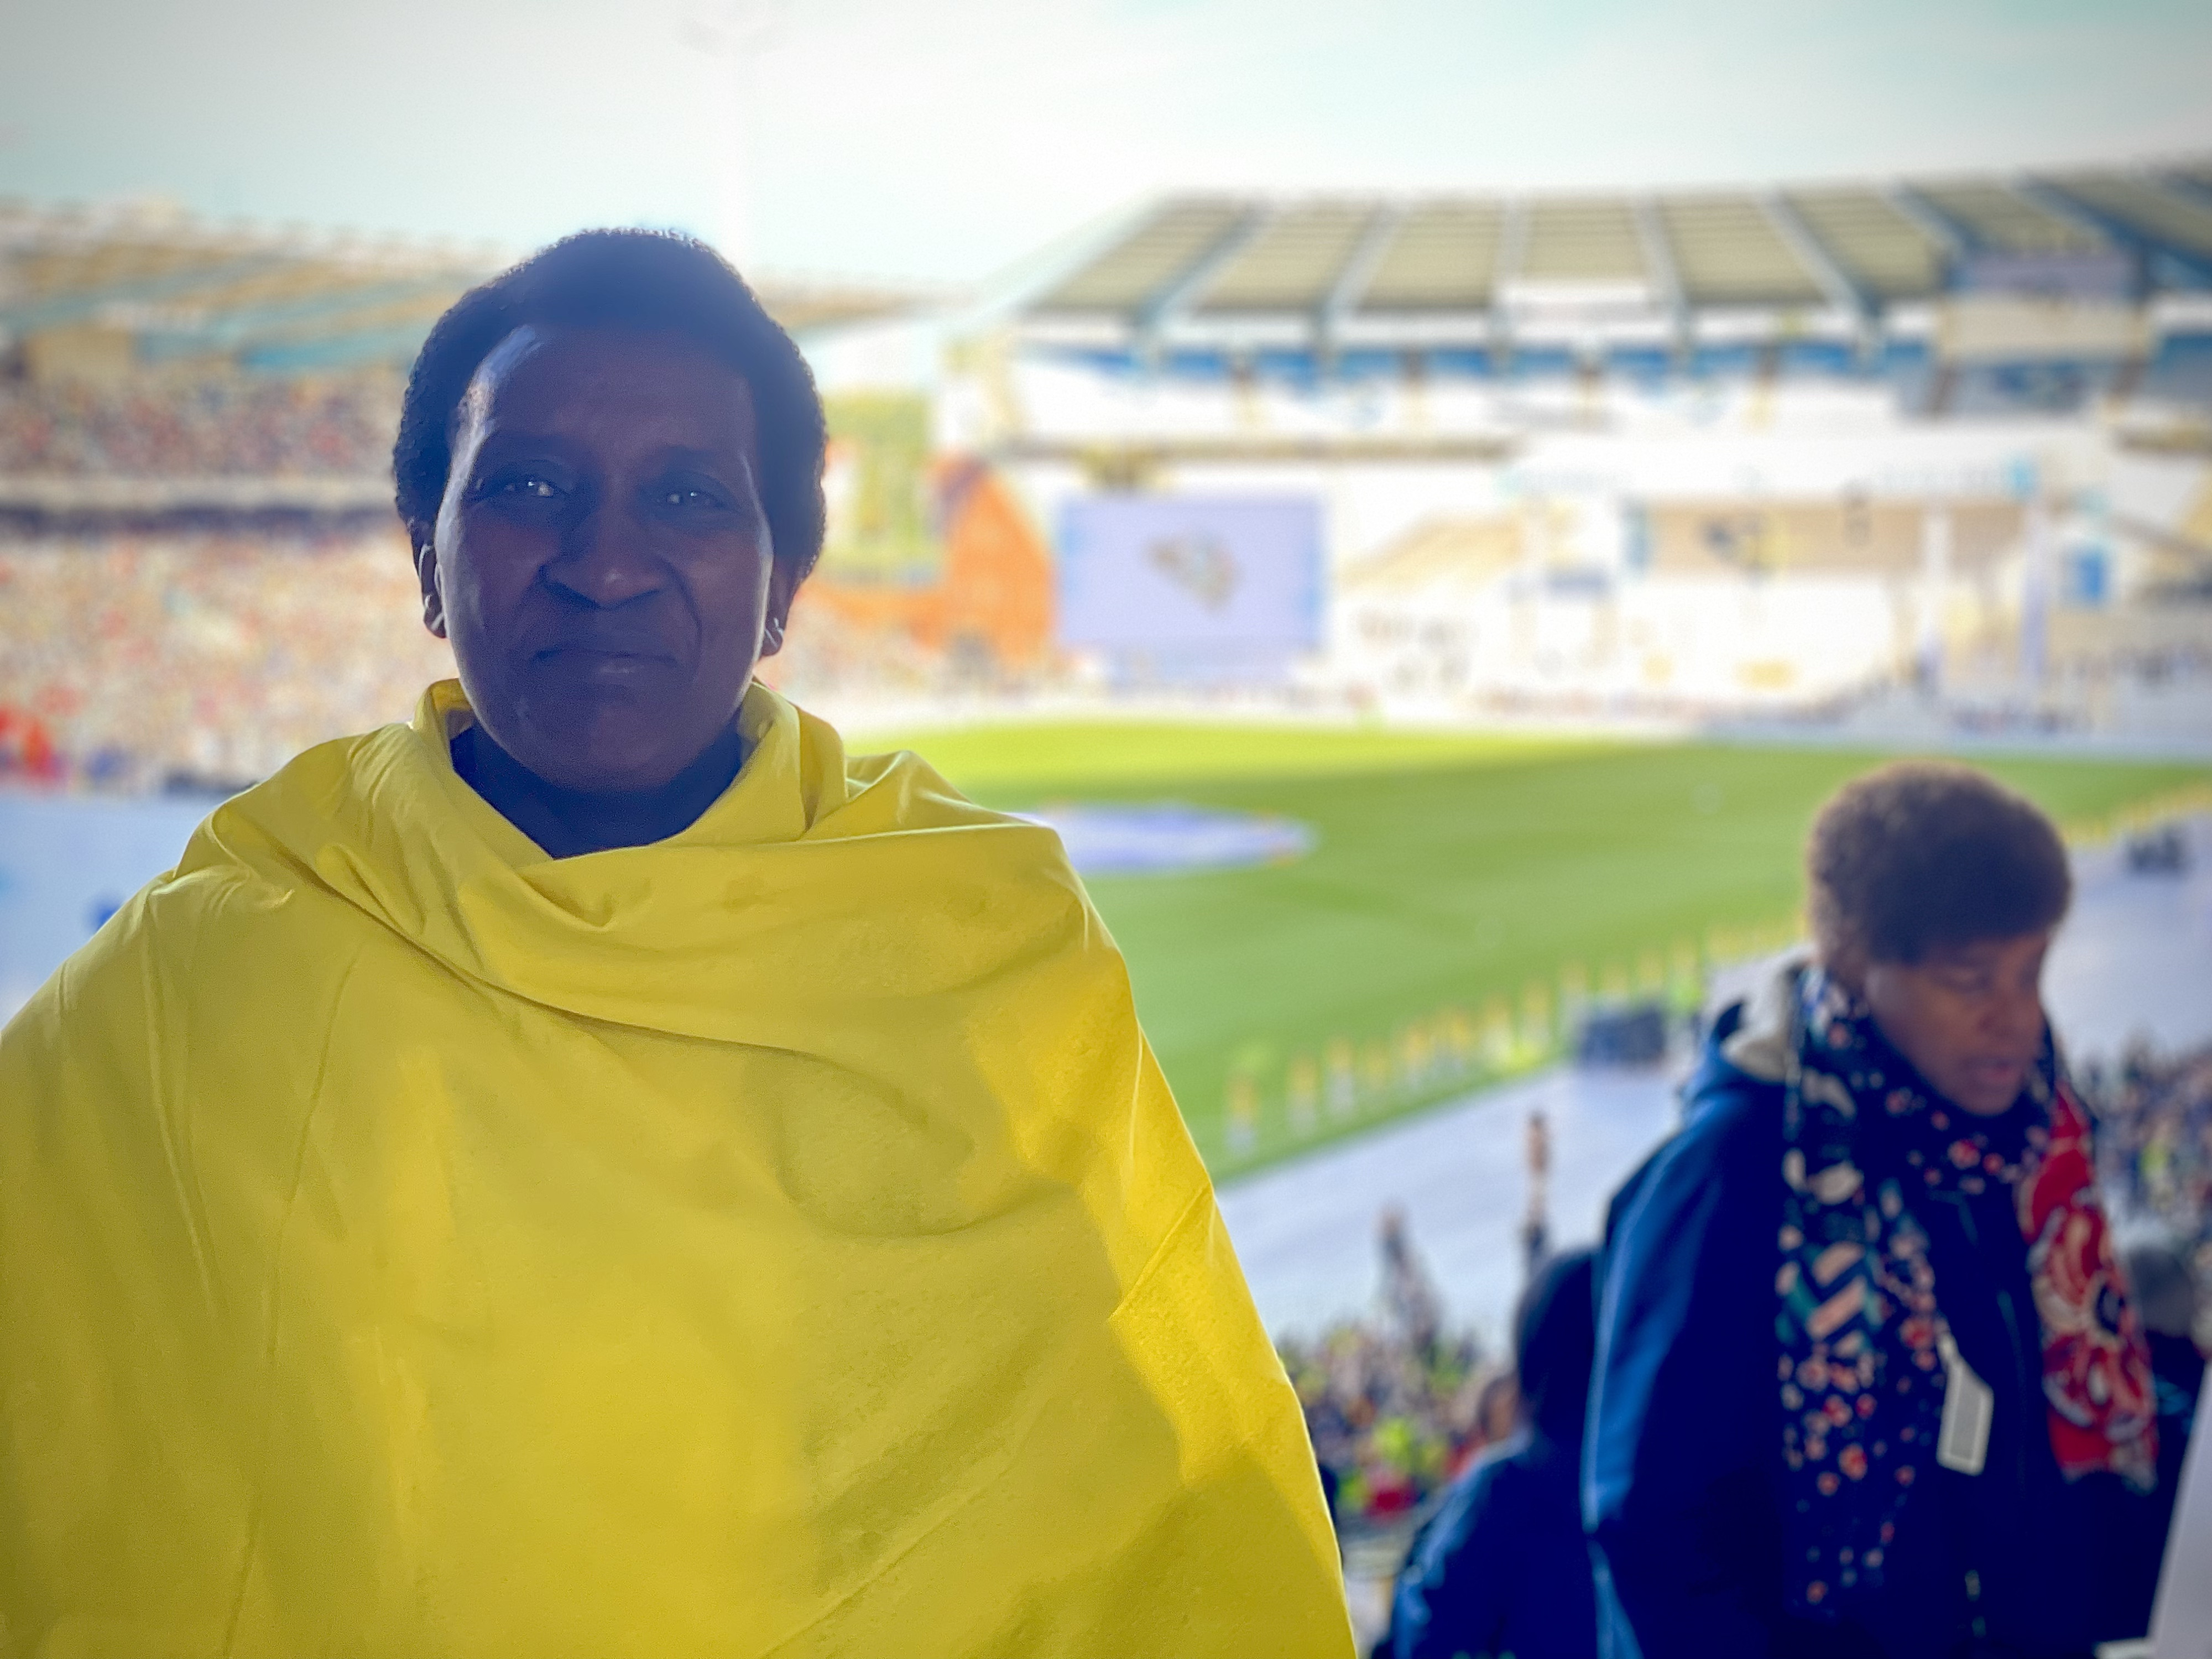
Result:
[[776, 1240]]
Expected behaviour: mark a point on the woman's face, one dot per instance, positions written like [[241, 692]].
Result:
[[1968, 1017], [601, 562]]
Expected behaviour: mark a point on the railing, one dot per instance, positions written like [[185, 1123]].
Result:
[[1353, 1080]]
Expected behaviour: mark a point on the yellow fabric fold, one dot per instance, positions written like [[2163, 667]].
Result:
[[779, 1240]]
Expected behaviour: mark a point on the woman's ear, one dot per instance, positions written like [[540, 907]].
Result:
[[426, 572], [782, 590]]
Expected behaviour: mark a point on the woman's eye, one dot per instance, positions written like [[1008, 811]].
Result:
[[683, 495], [528, 487]]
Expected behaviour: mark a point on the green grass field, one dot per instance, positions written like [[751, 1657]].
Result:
[[1464, 886]]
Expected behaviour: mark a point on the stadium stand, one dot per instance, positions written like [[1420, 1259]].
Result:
[[186, 427], [1846, 280], [1884, 254], [2168, 216], [111, 289], [189, 411], [135, 658], [1291, 263], [146, 661], [141, 343], [1992, 215], [1392, 1420], [1174, 244]]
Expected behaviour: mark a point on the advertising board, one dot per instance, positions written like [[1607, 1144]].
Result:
[[1192, 578]]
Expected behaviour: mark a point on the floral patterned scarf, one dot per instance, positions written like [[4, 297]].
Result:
[[1861, 1322]]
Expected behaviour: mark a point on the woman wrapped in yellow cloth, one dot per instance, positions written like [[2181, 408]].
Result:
[[599, 1171]]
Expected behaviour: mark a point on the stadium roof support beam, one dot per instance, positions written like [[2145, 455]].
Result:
[[1173, 301], [1512, 254], [1665, 274], [1831, 279], [1382, 228], [1953, 238]]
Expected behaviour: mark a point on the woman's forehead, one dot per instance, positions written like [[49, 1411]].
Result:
[[1974, 952], [541, 374]]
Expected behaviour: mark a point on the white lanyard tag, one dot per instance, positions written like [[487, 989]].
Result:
[[1963, 1442]]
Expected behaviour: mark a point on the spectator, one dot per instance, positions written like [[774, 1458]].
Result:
[[1411, 1299], [1869, 1384], [1502, 1567]]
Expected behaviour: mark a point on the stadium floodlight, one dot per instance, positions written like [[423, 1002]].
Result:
[[737, 33]]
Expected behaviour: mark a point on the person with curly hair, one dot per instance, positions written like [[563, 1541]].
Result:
[[1868, 1382]]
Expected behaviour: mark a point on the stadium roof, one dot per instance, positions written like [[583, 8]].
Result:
[[178, 289], [1256, 272]]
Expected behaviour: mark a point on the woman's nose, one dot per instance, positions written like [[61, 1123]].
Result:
[[607, 560], [2019, 1015]]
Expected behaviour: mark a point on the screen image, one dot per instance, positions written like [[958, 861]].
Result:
[[1191, 575]]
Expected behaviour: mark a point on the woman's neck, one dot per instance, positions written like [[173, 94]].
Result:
[[566, 822]]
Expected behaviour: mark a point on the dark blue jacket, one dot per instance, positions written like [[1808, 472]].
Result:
[[1682, 1467], [1502, 1567]]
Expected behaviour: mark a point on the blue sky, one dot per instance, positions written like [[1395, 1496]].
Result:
[[940, 141]]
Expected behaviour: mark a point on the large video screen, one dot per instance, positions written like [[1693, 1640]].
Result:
[[1191, 575]]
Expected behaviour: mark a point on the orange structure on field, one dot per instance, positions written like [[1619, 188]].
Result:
[[992, 604]]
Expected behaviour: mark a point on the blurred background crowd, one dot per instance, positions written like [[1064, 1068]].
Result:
[[192, 426]]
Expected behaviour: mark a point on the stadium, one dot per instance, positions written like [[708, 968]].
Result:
[[1430, 621], [1239, 503]]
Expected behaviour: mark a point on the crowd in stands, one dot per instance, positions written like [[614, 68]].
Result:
[[1393, 1421], [197, 426], [136, 662], [133, 661], [1396, 1407], [2156, 1144], [828, 652]]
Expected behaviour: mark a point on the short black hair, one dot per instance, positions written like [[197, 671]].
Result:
[[1555, 1343], [1924, 854], [654, 281]]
